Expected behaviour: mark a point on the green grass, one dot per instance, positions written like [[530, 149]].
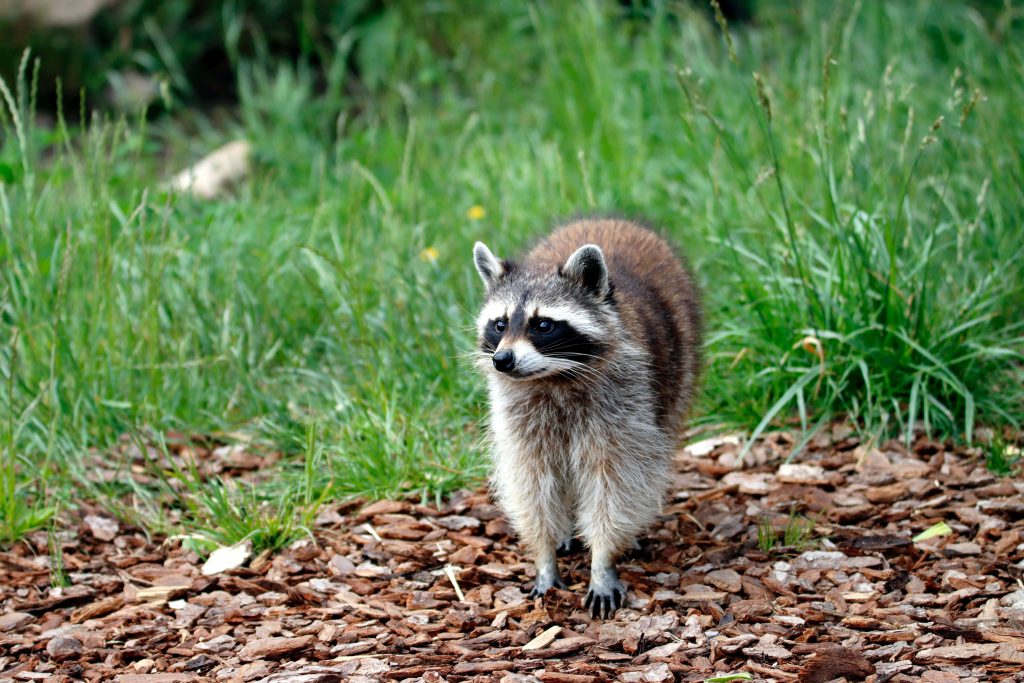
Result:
[[220, 513], [1003, 459], [796, 536], [58, 573], [858, 261]]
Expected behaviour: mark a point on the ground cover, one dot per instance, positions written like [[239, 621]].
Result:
[[811, 572]]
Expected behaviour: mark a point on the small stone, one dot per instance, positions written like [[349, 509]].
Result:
[[887, 494], [103, 528], [144, 666], [220, 644], [200, 663], [751, 483], [458, 522], [14, 620], [726, 579], [63, 648], [653, 673], [801, 473], [821, 559], [1014, 600]]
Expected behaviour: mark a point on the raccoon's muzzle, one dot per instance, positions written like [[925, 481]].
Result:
[[504, 361]]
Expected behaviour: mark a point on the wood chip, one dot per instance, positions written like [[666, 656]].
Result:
[[726, 579], [465, 668], [227, 557], [543, 640], [274, 648]]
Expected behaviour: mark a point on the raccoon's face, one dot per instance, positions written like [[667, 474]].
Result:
[[543, 324]]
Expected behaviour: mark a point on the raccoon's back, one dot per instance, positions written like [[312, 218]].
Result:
[[655, 295]]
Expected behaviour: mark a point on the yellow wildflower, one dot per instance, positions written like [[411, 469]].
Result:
[[475, 213], [429, 255]]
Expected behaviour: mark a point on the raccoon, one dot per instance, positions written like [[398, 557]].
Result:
[[591, 349]]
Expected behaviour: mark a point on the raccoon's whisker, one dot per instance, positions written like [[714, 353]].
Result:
[[582, 371], [587, 373]]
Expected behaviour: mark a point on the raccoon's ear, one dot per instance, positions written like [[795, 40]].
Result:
[[487, 265], [587, 267]]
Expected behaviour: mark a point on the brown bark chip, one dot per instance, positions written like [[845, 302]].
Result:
[[836, 662], [558, 677], [481, 667], [273, 648], [154, 678]]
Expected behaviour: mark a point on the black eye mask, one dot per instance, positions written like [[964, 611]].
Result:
[[491, 337], [565, 341]]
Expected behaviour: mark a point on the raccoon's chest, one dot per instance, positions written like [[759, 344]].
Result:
[[546, 425]]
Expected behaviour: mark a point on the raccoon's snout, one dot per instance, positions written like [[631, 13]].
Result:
[[504, 361]]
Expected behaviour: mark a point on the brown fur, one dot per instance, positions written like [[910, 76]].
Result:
[[655, 295]]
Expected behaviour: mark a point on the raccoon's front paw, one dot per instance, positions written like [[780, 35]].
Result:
[[605, 595], [545, 583]]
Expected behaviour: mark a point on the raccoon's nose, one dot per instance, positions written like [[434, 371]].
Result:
[[504, 361]]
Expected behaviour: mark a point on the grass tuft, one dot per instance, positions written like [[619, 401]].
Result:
[[796, 536], [58, 573], [1003, 459]]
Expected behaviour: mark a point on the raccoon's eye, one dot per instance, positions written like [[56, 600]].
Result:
[[499, 325], [545, 326]]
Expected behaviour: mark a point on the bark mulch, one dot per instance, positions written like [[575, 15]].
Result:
[[399, 591]]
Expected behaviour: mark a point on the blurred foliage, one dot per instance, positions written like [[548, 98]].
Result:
[[188, 49], [135, 52]]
